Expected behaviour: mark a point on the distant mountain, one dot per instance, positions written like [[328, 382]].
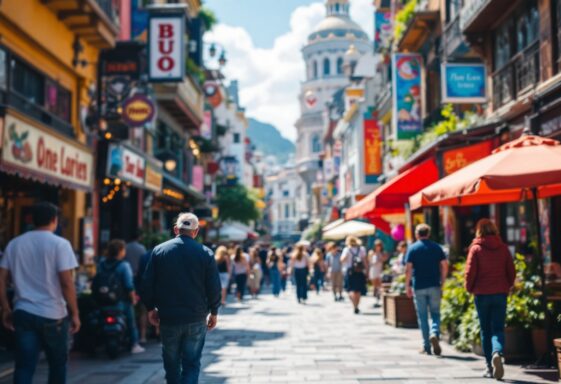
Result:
[[268, 140]]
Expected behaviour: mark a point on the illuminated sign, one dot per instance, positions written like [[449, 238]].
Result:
[[138, 110]]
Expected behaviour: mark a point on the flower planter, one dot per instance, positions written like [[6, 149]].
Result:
[[557, 343], [518, 345], [539, 342], [399, 311]]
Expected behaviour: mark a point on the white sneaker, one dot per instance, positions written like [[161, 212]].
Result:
[[137, 348]]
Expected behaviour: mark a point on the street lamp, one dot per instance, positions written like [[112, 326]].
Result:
[[215, 48]]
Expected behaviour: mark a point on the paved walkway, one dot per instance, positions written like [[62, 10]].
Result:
[[278, 341]]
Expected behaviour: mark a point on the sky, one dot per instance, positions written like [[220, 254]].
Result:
[[263, 41]]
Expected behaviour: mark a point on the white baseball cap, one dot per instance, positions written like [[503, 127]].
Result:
[[187, 221]]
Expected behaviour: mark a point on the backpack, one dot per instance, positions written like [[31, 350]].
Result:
[[107, 285], [357, 263]]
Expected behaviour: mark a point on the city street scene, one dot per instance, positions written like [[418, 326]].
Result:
[[280, 191]]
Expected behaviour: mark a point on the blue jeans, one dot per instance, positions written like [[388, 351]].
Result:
[[34, 333], [275, 280], [301, 276], [241, 282], [130, 315], [491, 310], [428, 300], [318, 280], [182, 347]]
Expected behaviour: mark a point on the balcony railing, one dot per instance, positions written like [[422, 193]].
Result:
[[108, 7], [517, 77], [453, 37]]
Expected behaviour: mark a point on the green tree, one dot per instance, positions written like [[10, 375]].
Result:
[[236, 203]]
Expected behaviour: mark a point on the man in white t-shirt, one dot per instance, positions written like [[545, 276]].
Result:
[[40, 265]]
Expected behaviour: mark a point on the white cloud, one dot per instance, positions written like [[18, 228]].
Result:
[[270, 78]]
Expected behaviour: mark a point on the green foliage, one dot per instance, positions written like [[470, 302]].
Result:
[[458, 312], [314, 232], [150, 238], [236, 203], [402, 18], [205, 145], [195, 71], [208, 17], [398, 285]]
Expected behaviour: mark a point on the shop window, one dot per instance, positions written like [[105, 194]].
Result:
[[28, 83], [340, 66], [502, 45], [3, 70], [57, 100], [326, 67]]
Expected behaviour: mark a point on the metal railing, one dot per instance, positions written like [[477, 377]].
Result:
[[108, 7], [518, 76], [453, 37]]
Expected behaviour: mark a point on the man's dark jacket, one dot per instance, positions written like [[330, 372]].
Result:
[[181, 280]]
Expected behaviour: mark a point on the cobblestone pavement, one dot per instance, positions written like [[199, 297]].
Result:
[[279, 341]]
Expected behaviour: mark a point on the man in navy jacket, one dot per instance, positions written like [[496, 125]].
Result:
[[181, 290]]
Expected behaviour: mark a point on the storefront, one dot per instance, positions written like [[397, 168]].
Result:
[[39, 164]]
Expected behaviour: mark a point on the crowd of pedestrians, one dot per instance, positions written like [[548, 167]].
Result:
[[178, 287]]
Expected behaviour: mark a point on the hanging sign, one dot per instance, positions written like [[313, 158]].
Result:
[[126, 165], [463, 83], [138, 110], [166, 48], [372, 151], [33, 151], [407, 107], [383, 31]]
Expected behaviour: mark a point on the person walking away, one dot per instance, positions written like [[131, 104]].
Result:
[[318, 265], [284, 264], [256, 273], [376, 259], [299, 265], [134, 251], [274, 264], [241, 272], [263, 255], [181, 289], [490, 275], [40, 266], [115, 268], [354, 257], [426, 268], [398, 262], [223, 263], [335, 268]]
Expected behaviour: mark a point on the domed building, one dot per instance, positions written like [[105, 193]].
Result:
[[324, 55]]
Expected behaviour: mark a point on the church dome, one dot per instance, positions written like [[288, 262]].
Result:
[[337, 23]]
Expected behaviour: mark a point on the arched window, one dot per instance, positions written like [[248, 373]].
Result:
[[316, 143], [326, 67], [340, 66], [315, 69]]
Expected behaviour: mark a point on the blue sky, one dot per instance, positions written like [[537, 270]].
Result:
[[263, 19], [263, 41]]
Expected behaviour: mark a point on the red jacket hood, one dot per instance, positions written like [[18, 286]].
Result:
[[490, 242]]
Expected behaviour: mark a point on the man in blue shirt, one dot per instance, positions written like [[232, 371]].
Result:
[[182, 292], [426, 268]]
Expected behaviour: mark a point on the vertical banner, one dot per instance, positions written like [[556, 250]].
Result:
[[166, 48], [382, 30], [139, 21], [372, 150], [206, 127], [406, 114]]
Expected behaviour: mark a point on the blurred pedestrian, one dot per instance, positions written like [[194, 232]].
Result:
[[333, 259], [427, 269], [135, 250], [114, 264], [318, 269], [181, 289], [263, 255], [255, 274], [274, 264], [490, 275], [354, 257], [376, 259], [299, 265], [40, 266], [285, 259], [398, 262], [224, 270], [240, 270]]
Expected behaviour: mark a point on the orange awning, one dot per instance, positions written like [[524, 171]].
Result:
[[508, 175], [392, 196]]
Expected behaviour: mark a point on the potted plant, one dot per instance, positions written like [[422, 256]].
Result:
[[399, 310]]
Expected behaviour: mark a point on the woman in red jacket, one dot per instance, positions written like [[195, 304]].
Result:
[[489, 276]]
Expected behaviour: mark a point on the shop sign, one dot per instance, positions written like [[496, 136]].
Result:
[[383, 32], [198, 178], [406, 114], [154, 178], [372, 151], [206, 127], [138, 110], [174, 194], [126, 165], [29, 148], [139, 21], [456, 159], [463, 83], [166, 48], [123, 60], [213, 93]]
